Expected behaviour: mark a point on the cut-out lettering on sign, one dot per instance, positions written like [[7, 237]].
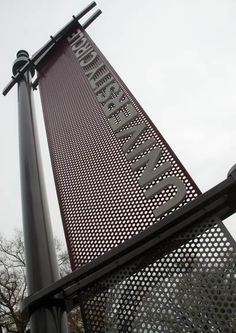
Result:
[[115, 174]]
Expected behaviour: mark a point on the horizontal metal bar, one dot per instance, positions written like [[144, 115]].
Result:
[[91, 19], [35, 84], [218, 201], [52, 41], [84, 26]]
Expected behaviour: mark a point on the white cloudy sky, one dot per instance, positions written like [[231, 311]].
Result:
[[178, 57]]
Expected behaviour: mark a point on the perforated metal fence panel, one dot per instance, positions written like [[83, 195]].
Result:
[[115, 174], [184, 284]]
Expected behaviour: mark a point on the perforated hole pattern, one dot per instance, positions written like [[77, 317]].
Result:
[[185, 284], [101, 201]]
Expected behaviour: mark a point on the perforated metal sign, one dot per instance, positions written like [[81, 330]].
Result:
[[185, 284], [115, 174]]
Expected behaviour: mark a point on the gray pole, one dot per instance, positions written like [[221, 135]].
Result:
[[41, 262]]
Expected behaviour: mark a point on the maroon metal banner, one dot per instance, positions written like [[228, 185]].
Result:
[[115, 174]]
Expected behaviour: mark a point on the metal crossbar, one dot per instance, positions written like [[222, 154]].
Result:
[[218, 201], [39, 55]]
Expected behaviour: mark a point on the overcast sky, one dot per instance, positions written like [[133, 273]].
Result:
[[178, 57]]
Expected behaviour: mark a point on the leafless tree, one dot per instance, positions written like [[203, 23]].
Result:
[[13, 285]]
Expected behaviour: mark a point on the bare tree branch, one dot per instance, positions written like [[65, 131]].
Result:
[[13, 285]]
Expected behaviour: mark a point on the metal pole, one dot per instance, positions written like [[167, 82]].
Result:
[[41, 263]]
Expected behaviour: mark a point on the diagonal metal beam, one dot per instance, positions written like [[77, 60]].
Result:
[[91, 19], [54, 39], [218, 201], [84, 26]]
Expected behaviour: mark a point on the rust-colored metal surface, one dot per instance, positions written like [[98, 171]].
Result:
[[115, 174]]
